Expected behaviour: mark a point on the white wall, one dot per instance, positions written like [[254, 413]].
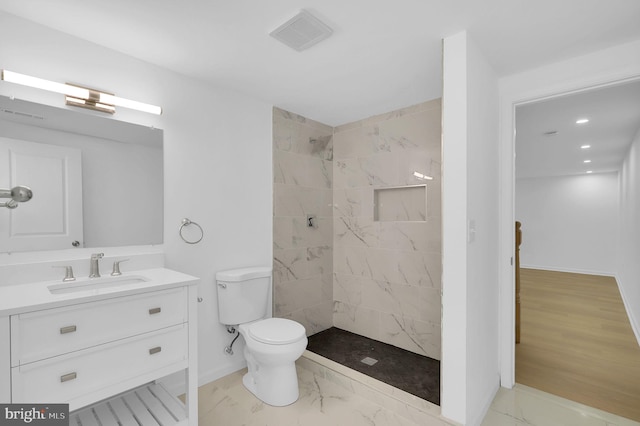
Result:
[[628, 265], [217, 151], [470, 361], [569, 223], [596, 69]]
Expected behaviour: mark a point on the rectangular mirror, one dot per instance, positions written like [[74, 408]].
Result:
[[96, 181]]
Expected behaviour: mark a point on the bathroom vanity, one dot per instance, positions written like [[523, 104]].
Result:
[[100, 344]]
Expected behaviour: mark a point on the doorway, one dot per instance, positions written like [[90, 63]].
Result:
[[566, 195]]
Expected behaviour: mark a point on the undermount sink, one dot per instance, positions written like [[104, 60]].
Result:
[[95, 284]]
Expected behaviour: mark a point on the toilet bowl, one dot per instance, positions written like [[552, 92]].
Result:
[[272, 347]]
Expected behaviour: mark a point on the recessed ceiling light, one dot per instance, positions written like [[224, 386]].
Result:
[[589, 171], [586, 161], [582, 121], [585, 146]]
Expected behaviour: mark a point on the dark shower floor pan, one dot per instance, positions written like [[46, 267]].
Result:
[[419, 375]]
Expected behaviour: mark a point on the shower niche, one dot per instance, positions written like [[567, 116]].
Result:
[[400, 204]]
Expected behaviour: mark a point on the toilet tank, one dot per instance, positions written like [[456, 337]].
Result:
[[244, 295]]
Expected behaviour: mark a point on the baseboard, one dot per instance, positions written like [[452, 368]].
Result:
[[486, 406], [570, 270], [212, 375], [635, 325]]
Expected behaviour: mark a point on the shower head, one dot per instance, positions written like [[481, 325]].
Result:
[[18, 193]]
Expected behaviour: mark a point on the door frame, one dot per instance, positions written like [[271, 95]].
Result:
[[600, 69]]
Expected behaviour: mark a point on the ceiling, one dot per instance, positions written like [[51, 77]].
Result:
[[383, 55], [614, 119]]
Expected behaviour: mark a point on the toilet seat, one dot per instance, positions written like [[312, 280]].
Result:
[[276, 331]]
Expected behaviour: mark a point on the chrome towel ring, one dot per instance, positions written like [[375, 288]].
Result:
[[187, 222]]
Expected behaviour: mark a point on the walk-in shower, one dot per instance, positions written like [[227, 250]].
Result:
[[365, 281]]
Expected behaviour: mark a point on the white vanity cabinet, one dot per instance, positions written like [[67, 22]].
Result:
[[91, 348]]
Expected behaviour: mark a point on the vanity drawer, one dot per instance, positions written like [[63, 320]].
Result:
[[85, 375], [44, 334]]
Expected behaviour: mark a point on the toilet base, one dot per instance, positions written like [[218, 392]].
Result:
[[278, 387]]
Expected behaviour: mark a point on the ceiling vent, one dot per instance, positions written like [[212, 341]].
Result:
[[302, 31]]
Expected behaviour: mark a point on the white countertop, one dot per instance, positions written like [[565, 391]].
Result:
[[15, 299]]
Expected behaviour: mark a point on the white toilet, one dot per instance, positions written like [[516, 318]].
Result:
[[272, 344]]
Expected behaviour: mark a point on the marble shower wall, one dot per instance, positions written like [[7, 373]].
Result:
[[387, 273], [303, 256]]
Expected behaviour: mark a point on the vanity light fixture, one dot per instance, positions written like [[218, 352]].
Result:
[[422, 176], [80, 96]]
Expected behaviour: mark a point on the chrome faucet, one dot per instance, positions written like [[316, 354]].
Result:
[[94, 265]]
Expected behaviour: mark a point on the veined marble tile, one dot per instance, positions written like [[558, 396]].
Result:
[[289, 265], [351, 260], [430, 305], [321, 402], [523, 405], [359, 142], [356, 319], [429, 105], [347, 289], [283, 114], [299, 294], [348, 173], [314, 318], [400, 204], [416, 336], [335, 395], [419, 162], [319, 173], [291, 200], [320, 260], [305, 236], [322, 147], [302, 170], [420, 268], [418, 236], [380, 169], [296, 119], [353, 202], [399, 299], [288, 168], [405, 132], [404, 404], [434, 200], [355, 231], [346, 126], [316, 142], [285, 132], [418, 130], [383, 265], [282, 233]]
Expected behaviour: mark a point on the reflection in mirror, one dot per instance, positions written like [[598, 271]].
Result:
[[96, 181]]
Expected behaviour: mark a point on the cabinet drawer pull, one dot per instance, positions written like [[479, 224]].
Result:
[[67, 377], [154, 311], [155, 350], [67, 329]]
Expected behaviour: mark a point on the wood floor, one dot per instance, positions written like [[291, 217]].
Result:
[[577, 342]]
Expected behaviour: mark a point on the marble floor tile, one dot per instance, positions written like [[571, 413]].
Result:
[[523, 405], [226, 402]]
